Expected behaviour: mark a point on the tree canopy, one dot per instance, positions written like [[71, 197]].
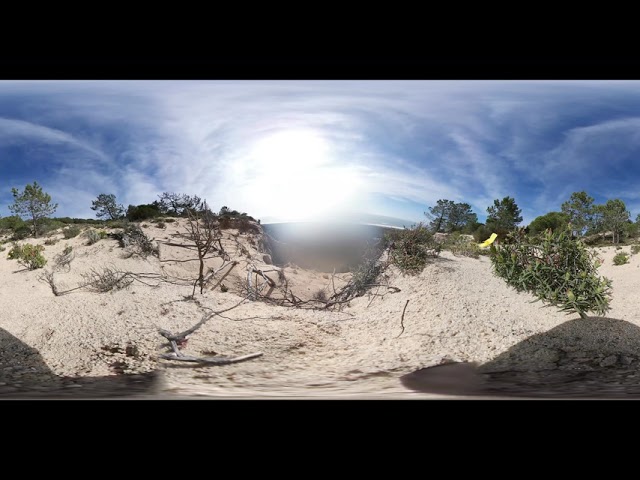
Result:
[[504, 215], [105, 207], [32, 203], [552, 220], [580, 210], [448, 216]]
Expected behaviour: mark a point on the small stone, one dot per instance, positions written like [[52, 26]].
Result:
[[610, 361]]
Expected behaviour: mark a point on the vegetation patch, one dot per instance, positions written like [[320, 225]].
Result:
[[28, 255], [558, 269]]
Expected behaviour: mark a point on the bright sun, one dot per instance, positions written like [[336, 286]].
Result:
[[302, 178]]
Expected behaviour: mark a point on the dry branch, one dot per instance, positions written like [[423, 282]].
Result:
[[210, 360]]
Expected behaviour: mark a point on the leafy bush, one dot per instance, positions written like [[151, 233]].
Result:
[[28, 255], [410, 249], [635, 249], [102, 234], [51, 241], [620, 259], [71, 232], [558, 270]]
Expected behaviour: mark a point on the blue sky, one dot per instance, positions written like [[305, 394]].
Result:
[[299, 150]]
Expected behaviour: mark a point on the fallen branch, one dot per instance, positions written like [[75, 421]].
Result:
[[402, 319], [210, 360]]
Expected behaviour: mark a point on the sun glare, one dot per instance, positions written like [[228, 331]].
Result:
[[303, 179]]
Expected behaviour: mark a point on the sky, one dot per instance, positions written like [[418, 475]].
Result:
[[303, 150]]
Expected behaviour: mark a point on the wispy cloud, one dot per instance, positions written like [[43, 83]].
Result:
[[407, 141]]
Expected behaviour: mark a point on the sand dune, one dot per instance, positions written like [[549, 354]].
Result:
[[457, 311]]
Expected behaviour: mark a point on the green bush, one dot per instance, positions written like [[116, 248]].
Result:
[[28, 255], [635, 249], [11, 222], [71, 232], [51, 241], [411, 248], [102, 234], [620, 259], [22, 232], [558, 270]]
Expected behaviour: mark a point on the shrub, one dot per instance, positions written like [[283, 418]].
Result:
[[28, 255], [102, 234], [224, 223], [93, 236], [71, 232], [21, 232], [169, 220], [11, 222], [462, 246], [106, 280], [557, 269], [133, 236], [63, 260], [620, 259], [51, 241], [161, 225], [635, 249], [410, 249], [320, 295]]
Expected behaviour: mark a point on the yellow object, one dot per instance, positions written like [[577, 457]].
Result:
[[488, 241]]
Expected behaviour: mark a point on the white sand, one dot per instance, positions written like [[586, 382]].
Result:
[[457, 310]]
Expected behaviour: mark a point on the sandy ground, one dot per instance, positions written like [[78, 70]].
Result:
[[457, 311]]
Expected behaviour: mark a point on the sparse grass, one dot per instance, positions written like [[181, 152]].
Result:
[[620, 259], [161, 225], [51, 241], [635, 249]]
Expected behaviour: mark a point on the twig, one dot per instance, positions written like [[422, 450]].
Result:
[[402, 319]]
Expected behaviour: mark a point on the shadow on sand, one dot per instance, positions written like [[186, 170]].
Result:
[[583, 358], [24, 374]]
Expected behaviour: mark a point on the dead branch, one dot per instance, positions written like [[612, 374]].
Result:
[[402, 319], [210, 360]]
